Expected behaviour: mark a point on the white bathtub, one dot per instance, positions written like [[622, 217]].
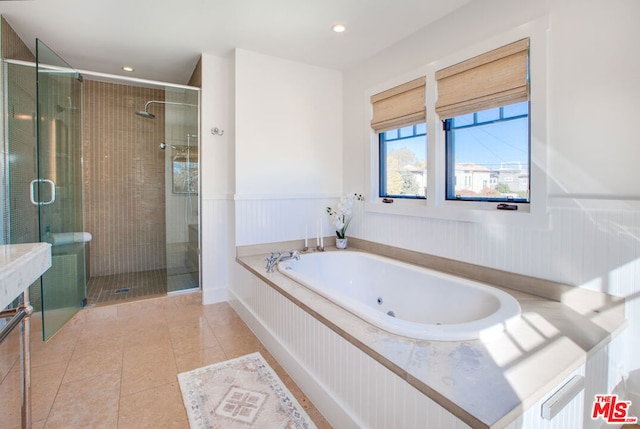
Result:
[[405, 299]]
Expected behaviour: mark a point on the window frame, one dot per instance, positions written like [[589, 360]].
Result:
[[533, 213], [450, 178], [382, 165]]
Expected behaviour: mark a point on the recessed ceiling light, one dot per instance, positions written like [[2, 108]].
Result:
[[128, 68], [339, 28]]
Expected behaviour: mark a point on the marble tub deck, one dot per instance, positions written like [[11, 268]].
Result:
[[485, 383]]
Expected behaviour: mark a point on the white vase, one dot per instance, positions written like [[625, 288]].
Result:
[[341, 243]]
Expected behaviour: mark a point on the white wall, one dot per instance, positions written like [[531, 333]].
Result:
[[288, 123], [216, 111], [278, 164], [288, 127], [594, 97], [593, 238], [217, 177]]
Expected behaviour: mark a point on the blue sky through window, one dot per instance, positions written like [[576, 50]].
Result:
[[492, 142]]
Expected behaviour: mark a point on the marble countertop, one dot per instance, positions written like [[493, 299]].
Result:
[[20, 266], [486, 383]]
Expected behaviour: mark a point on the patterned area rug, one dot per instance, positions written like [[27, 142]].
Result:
[[240, 393]]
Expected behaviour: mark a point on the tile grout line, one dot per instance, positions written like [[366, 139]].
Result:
[[121, 375], [66, 368]]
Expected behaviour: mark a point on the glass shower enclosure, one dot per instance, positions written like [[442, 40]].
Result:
[[44, 178], [181, 189], [51, 127]]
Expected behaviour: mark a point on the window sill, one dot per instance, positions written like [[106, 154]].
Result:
[[463, 211]]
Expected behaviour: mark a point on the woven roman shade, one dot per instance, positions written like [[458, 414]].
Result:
[[490, 80], [399, 107]]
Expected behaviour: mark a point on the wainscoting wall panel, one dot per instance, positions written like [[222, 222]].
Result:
[[268, 220]]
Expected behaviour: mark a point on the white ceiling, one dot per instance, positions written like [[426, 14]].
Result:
[[163, 39]]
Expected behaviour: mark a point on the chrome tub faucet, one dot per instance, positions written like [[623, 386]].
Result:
[[280, 256]]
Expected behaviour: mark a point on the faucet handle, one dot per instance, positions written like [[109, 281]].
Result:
[[274, 256], [271, 260], [294, 254]]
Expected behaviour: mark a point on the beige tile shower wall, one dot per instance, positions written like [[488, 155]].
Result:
[[21, 216], [12, 46], [124, 178], [196, 75]]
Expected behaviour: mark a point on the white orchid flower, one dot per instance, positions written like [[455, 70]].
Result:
[[342, 213]]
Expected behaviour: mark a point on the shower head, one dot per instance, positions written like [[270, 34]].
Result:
[[163, 145], [145, 114]]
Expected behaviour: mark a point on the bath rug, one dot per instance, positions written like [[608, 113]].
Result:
[[244, 393]]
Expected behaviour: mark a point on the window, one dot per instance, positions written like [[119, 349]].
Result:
[[484, 105], [485, 124], [399, 120], [403, 162], [487, 155]]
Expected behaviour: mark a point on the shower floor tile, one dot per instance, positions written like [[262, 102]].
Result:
[[182, 282], [118, 287]]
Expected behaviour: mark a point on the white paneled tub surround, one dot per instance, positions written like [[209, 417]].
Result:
[[379, 379]]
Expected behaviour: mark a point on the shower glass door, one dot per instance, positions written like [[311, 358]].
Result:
[[57, 189], [182, 211]]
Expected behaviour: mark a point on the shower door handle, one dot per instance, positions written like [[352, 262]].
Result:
[[33, 192]]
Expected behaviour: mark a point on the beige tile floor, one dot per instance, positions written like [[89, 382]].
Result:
[[116, 366]]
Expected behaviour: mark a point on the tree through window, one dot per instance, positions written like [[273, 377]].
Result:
[[403, 162]]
